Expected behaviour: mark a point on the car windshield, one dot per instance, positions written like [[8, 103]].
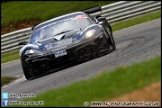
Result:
[[59, 27]]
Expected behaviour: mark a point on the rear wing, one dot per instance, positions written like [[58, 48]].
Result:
[[93, 9]]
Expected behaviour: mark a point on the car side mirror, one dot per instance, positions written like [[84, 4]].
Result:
[[32, 28], [22, 43], [100, 18]]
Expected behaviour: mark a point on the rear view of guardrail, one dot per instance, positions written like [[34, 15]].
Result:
[[113, 12]]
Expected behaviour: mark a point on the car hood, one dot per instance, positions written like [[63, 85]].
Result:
[[61, 41]]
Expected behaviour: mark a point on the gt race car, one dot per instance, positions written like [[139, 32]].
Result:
[[73, 37]]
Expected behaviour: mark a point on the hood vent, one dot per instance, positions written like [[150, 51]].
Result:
[[59, 37]]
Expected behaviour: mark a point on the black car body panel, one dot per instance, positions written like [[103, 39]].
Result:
[[69, 38]]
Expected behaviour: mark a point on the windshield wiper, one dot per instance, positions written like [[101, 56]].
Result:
[[68, 31], [62, 32]]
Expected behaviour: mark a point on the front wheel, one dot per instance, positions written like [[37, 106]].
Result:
[[25, 68], [111, 43], [110, 39]]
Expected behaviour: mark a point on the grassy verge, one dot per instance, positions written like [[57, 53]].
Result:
[[104, 87], [6, 80], [137, 20], [16, 11], [10, 56], [117, 26]]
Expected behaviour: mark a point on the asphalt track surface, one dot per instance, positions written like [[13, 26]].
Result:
[[134, 44]]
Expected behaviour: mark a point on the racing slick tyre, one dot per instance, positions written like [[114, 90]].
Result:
[[111, 39], [25, 68]]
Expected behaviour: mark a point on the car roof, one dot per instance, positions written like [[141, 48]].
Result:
[[57, 18]]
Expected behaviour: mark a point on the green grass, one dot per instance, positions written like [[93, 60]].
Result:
[[137, 20], [105, 86], [17, 11], [10, 56], [117, 26], [6, 80]]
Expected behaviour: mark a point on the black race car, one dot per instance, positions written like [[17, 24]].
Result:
[[69, 38]]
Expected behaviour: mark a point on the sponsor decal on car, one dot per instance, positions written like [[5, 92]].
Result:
[[80, 17], [60, 53], [50, 45]]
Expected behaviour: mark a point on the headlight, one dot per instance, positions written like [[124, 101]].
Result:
[[32, 52], [90, 33], [29, 52]]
